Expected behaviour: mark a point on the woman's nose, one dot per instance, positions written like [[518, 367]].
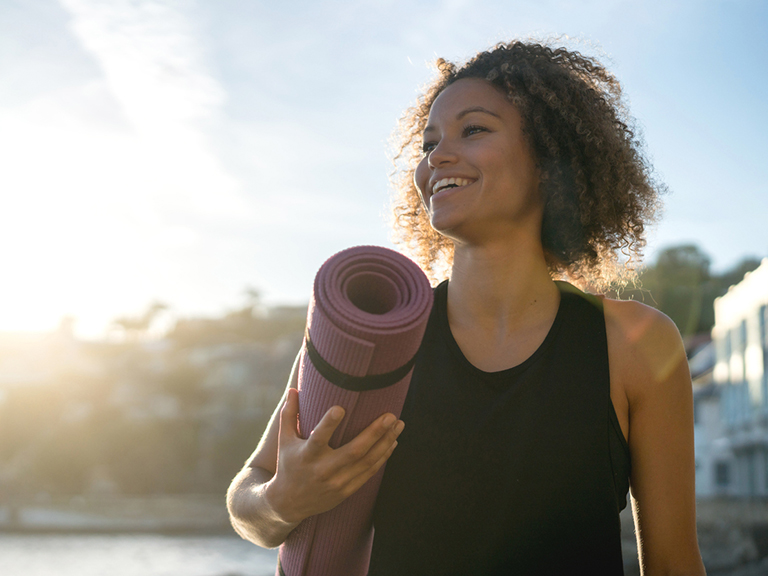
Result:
[[443, 153]]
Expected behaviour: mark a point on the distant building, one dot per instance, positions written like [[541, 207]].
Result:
[[736, 454], [708, 433]]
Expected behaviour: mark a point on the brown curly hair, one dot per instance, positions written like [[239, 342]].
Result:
[[595, 181]]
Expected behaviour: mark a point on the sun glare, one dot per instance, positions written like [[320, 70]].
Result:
[[92, 208]]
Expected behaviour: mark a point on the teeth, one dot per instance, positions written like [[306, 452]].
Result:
[[440, 184]]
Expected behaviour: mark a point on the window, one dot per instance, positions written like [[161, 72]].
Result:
[[722, 474], [743, 336], [765, 461], [763, 320], [750, 456]]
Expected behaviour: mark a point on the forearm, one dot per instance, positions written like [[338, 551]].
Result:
[[250, 512]]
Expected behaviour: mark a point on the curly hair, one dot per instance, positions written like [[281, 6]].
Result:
[[595, 181]]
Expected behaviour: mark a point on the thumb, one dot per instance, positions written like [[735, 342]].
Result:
[[289, 417]]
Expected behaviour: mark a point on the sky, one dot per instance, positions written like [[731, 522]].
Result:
[[183, 151]]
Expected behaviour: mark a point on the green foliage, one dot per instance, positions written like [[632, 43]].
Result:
[[175, 416], [245, 325], [153, 456], [680, 284]]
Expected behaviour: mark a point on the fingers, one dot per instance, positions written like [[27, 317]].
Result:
[[322, 433], [361, 445], [358, 455], [382, 448], [350, 477], [357, 482], [289, 417]]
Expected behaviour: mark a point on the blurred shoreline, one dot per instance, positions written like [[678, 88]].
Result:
[[142, 554], [182, 514], [733, 532]]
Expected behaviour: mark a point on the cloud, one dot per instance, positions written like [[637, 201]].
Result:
[[154, 66], [115, 193], [150, 58]]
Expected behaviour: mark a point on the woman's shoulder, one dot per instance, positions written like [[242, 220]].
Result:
[[636, 324], [644, 346]]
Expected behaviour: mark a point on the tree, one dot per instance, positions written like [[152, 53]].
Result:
[[681, 285], [135, 327], [677, 283]]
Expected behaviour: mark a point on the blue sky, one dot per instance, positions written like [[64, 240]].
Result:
[[183, 150]]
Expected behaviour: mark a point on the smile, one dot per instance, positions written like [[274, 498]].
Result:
[[449, 183]]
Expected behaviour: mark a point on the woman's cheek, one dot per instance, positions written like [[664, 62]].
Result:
[[421, 179]]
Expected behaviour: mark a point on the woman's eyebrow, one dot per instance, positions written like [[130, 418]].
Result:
[[460, 115], [466, 111]]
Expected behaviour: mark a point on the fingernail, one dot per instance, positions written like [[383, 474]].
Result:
[[389, 419], [399, 427], [337, 412]]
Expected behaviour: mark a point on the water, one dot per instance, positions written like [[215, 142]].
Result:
[[157, 555], [132, 555]]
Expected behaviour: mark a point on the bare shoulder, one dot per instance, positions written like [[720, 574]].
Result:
[[638, 323], [644, 346]]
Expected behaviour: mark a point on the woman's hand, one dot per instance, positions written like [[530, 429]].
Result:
[[288, 478], [311, 476]]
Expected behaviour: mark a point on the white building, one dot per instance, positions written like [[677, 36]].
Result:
[[711, 447], [737, 462]]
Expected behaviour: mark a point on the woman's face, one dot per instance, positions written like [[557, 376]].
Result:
[[478, 178]]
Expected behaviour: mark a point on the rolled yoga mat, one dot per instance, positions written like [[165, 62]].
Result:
[[366, 320]]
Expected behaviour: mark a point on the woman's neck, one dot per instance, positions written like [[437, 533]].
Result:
[[501, 288]]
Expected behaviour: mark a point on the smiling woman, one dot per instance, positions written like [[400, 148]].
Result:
[[595, 182], [497, 173], [533, 407]]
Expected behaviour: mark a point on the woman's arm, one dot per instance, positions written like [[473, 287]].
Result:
[[648, 361], [289, 478], [250, 512]]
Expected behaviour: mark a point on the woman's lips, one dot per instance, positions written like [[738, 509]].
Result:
[[453, 182]]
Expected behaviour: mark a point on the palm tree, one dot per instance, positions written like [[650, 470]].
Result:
[[136, 327]]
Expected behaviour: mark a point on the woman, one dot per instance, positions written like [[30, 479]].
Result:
[[533, 407]]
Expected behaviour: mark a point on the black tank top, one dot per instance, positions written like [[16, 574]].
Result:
[[522, 471]]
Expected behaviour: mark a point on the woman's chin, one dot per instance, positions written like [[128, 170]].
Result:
[[444, 223], [455, 229]]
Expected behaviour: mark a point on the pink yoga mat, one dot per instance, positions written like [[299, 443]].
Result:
[[367, 316]]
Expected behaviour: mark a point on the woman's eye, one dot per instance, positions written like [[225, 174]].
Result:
[[427, 147], [474, 129]]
